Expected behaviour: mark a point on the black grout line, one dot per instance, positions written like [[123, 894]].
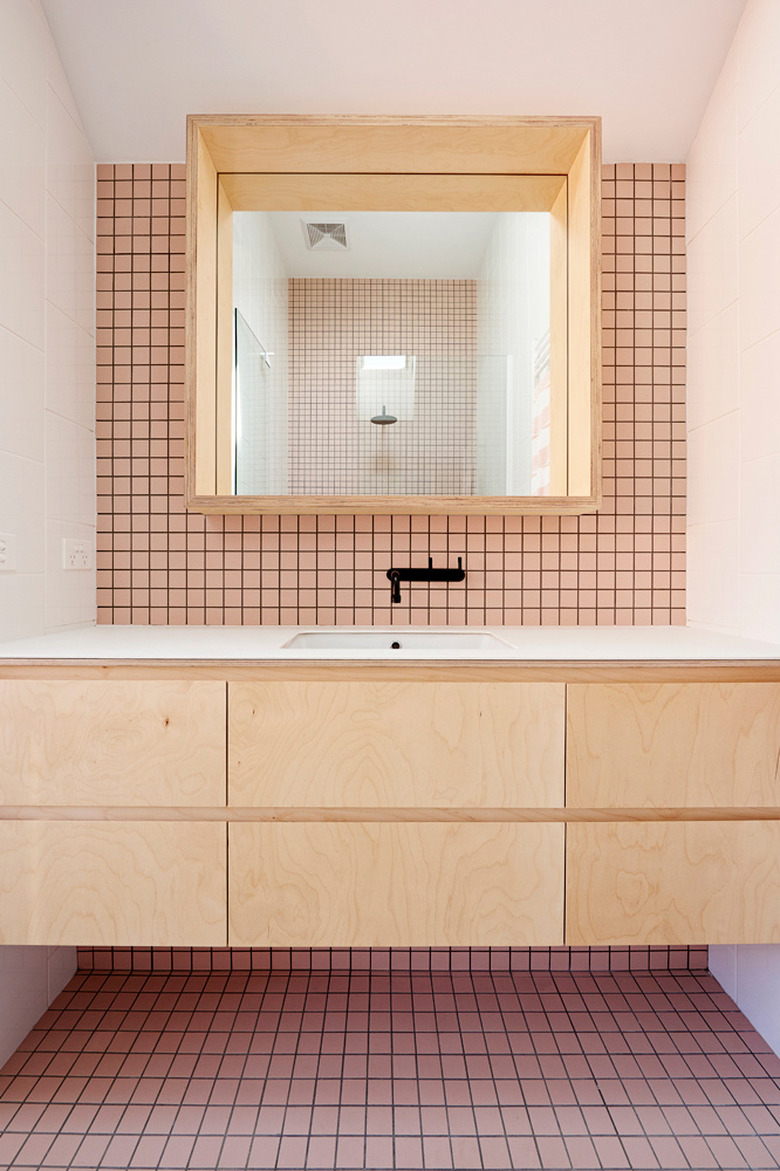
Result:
[[207, 539]]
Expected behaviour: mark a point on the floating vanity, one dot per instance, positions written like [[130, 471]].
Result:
[[325, 787]]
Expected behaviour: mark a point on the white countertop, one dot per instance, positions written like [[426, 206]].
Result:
[[266, 643]]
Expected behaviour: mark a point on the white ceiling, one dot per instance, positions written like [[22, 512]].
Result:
[[401, 245], [138, 67]]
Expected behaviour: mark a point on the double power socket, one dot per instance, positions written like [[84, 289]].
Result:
[[76, 553]]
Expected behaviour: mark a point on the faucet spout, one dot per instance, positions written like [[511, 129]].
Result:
[[396, 576]]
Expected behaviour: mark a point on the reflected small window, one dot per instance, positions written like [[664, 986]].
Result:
[[385, 387]]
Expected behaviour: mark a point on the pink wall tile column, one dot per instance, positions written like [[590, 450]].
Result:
[[157, 564]]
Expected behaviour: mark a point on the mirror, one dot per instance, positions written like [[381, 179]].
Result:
[[391, 340], [386, 353]]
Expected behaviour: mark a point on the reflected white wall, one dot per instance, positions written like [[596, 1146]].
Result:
[[513, 315], [260, 295]]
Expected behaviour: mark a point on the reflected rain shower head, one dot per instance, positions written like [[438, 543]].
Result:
[[384, 419]]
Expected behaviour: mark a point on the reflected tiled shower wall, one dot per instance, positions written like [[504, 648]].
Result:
[[157, 564], [430, 450]]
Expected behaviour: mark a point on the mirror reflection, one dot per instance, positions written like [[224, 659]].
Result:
[[384, 353]]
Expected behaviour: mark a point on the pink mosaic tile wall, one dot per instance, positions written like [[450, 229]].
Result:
[[332, 323], [396, 959], [158, 565]]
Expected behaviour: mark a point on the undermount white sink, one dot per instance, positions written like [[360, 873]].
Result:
[[395, 640]]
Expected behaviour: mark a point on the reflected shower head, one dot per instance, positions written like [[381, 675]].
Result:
[[384, 419]]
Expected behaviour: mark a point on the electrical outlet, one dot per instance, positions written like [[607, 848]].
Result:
[[7, 552], [76, 554]]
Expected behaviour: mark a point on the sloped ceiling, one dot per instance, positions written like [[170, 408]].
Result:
[[138, 67]]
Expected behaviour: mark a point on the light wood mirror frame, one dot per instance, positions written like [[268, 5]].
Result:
[[237, 162]]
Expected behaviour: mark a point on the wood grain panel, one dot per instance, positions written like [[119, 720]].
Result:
[[584, 322], [521, 160], [223, 406], [144, 884], [673, 744], [681, 883], [95, 742], [559, 345], [388, 885], [386, 744], [395, 505], [361, 192], [422, 670], [406, 145], [201, 318]]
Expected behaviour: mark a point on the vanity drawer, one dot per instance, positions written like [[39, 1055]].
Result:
[[395, 884], [667, 744], [386, 744], [113, 884], [112, 742], [673, 883]]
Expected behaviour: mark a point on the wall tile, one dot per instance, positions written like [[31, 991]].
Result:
[[22, 286], [757, 968], [22, 398], [713, 470], [70, 368], [759, 166], [713, 368], [759, 270], [70, 471], [760, 401], [70, 594], [713, 266], [760, 530], [158, 564], [711, 167], [21, 613], [24, 979], [758, 39], [70, 168], [23, 55], [331, 322], [396, 959], [713, 579], [21, 510], [22, 161], [761, 606], [70, 259]]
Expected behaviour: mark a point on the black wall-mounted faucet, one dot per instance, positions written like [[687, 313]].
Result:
[[396, 576]]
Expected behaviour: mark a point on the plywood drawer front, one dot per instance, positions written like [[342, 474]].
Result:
[[405, 744], [673, 883], [140, 883], [391, 884], [112, 742], [668, 744]]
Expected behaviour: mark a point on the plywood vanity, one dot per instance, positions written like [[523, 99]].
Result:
[[165, 786]]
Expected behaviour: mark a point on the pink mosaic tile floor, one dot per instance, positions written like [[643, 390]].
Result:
[[320, 1070]]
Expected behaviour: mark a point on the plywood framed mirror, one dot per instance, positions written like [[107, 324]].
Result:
[[393, 315]]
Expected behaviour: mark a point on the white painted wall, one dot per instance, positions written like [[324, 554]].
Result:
[[734, 391], [47, 389], [260, 295], [513, 312]]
